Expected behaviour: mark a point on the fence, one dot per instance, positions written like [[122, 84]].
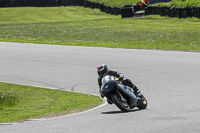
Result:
[[173, 12], [49, 3], [158, 1]]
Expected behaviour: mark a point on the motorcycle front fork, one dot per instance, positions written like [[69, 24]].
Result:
[[122, 98]]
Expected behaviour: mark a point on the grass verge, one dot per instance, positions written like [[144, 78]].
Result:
[[19, 102], [86, 27], [118, 3]]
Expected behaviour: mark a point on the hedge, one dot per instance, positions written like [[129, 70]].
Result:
[[173, 12]]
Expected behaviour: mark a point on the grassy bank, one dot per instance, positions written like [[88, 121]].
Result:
[[86, 27], [19, 102], [119, 3], [48, 14]]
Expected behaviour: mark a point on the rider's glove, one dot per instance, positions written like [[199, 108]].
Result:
[[121, 76]]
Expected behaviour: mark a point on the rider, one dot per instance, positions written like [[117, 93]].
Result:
[[103, 70], [143, 3]]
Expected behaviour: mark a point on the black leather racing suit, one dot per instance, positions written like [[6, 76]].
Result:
[[125, 81]]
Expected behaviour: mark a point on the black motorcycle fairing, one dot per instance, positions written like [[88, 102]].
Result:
[[127, 93], [108, 87]]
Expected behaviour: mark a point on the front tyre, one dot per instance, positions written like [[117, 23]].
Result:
[[120, 102]]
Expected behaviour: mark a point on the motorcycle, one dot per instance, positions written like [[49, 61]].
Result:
[[122, 96]]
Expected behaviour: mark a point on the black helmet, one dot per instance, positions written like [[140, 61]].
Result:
[[102, 70]]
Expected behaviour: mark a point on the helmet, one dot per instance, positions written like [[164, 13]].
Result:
[[102, 70]]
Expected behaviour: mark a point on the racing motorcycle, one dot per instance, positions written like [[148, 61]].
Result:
[[122, 96]]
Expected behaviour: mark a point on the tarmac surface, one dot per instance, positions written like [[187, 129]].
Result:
[[168, 79]]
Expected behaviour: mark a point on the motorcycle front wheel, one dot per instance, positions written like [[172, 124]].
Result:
[[120, 102]]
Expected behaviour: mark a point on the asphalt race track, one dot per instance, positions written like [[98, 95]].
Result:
[[170, 81]]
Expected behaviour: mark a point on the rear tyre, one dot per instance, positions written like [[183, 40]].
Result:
[[143, 103], [120, 103]]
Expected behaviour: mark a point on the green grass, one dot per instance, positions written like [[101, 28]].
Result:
[[86, 27], [19, 102], [119, 3], [48, 14]]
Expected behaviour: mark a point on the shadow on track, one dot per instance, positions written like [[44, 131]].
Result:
[[119, 112], [5, 124]]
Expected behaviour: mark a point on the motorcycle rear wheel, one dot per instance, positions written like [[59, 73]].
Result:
[[122, 105], [143, 103]]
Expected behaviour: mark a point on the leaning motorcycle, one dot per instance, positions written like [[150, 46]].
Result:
[[122, 96]]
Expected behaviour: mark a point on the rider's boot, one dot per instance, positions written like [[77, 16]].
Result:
[[137, 94], [130, 84], [136, 91]]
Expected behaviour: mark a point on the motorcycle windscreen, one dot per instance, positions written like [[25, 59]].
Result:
[[106, 79]]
